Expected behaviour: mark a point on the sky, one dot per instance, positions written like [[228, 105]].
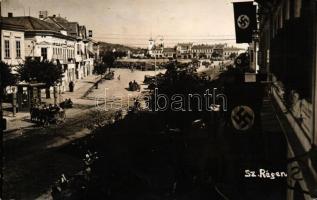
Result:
[[133, 22]]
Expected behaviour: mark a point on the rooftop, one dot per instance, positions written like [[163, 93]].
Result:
[[71, 27], [32, 24], [203, 46], [7, 25], [168, 49], [233, 48], [185, 44]]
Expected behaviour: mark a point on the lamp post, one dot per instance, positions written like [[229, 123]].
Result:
[[14, 100]]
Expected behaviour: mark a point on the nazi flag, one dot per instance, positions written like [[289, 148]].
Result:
[[245, 21]]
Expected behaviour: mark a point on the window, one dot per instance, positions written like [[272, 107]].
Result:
[[7, 49], [78, 49], [18, 49], [44, 53]]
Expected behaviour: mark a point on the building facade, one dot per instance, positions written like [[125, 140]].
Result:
[[287, 55], [202, 51], [169, 52], [184, 50], [85, 49], [12, 43], [47, 41], [229, 52], [155, 49]]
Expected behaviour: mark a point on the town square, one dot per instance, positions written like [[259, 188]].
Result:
[[158, 100]]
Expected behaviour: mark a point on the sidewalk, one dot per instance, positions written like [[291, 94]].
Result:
[[22, 119], [81, 87]]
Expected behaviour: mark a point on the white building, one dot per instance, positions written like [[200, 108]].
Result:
[[202, 51], [169, 52], [228, 51], [183, 50], [12, 43], [47, 41], [84, 61], [155, 49]]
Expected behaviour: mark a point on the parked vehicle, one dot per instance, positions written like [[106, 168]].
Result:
[[109, 75], [134, 86], [68, 103], [52, 114]]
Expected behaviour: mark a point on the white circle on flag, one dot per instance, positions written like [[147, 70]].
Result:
[[242, 118], [243, 21]]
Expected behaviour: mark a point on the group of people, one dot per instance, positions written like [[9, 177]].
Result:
[[68, 103], [133, 86], [46, 114]]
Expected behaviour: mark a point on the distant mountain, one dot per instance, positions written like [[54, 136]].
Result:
[[104, 46]]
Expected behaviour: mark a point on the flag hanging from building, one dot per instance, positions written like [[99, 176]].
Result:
[[245, 21]]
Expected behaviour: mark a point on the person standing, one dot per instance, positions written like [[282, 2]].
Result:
[[71, 86]]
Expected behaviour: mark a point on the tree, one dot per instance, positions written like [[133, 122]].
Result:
[[6, 79], [232, 56], [100, 69], [110, 56], [41, 72], [195, 62], [215, 54]]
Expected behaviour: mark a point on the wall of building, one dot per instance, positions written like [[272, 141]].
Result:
[[287, 52], [12, 37], [57, 48]]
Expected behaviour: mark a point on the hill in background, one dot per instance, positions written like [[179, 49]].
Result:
[[104, 46]]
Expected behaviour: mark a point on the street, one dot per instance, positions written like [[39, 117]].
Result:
[[46, 153], [40, 150], [158, 100]]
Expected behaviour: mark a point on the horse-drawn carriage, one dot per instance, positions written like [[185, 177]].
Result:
[[148, 79], [109, 75], [68, 103], [47, 115], [134, 86]]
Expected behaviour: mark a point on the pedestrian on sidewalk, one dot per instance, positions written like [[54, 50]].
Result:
[[71, 86]]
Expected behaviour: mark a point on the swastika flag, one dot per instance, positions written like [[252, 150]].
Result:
[[245, 21]]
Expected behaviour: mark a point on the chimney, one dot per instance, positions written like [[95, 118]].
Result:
[[54, 16], [10, 14], [43, 14]]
